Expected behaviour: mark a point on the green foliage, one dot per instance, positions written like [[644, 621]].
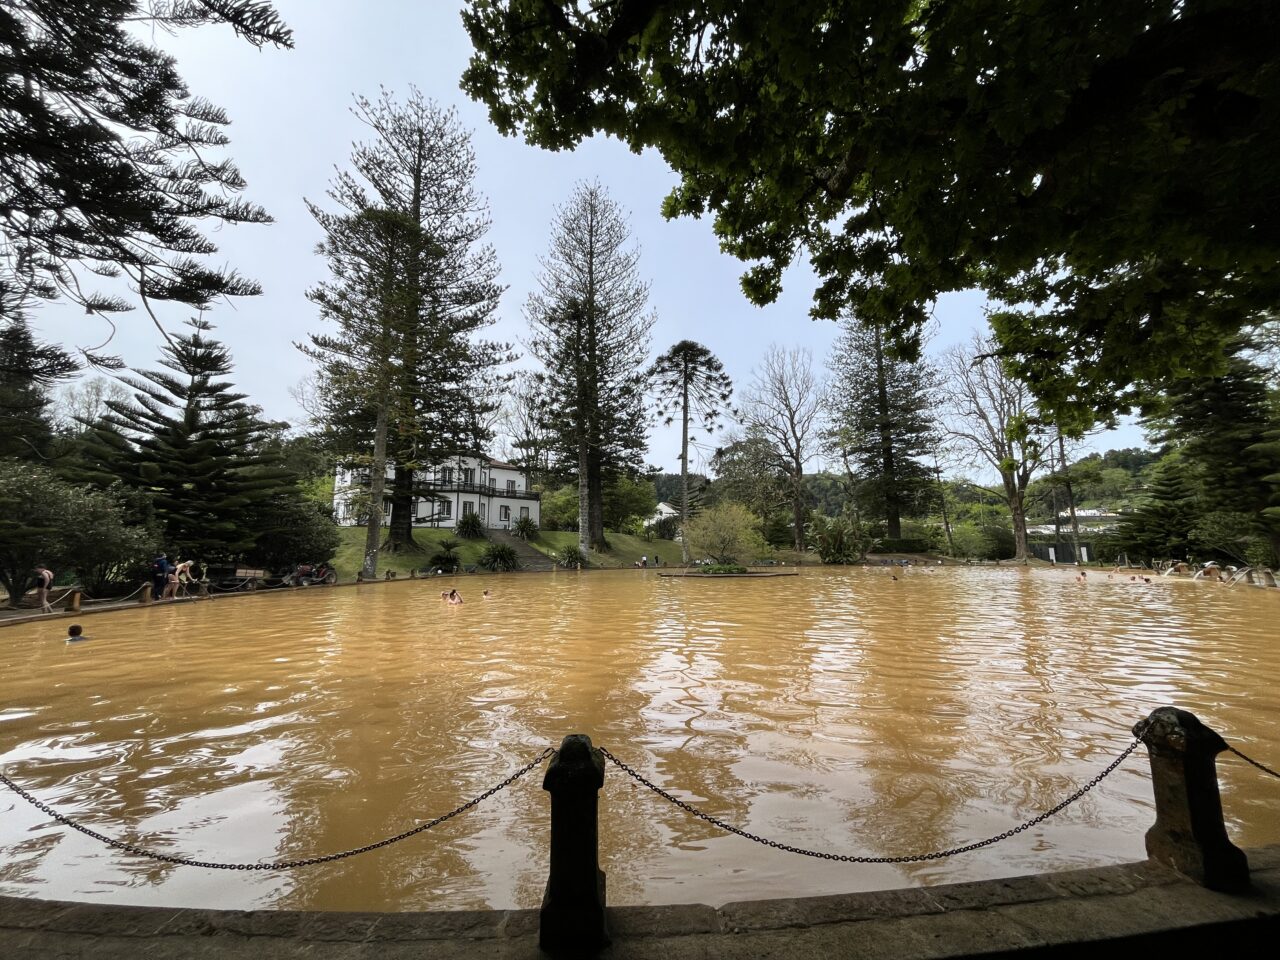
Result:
[[569, 557], [119, 164], [500, 557], [841, 539], [665, 528], [727, 533], [469, 527], [906, 149], [195, 446], [560, 508], [27, 370], [626, 498], [293, 530], [904, 545], [881, 425], [972, 541], [722, 568], [69, 527], [525, 528]]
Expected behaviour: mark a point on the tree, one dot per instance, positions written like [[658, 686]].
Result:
[[45, 519], [880, 422], [1228, 431], [412, 284], [689, 379], [991, 417], [627, 498], [726, 533], [186, 439], [747, 471], [1114, 166], [28, 369], [1160, 528], [107, 161], [524, 424], [782, 405], [591, 333]]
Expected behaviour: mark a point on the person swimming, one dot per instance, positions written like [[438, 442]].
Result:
[[75, 632], [454, 597]]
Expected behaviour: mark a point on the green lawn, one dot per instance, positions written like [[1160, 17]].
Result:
[[624, 550], [350, 555]]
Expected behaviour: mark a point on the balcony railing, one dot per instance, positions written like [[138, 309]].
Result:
[[457, 486]]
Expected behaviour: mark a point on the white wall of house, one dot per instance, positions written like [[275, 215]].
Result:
[[466, 484]]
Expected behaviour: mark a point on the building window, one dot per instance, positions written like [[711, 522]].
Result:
[[511, 486], [524, 511], [504, 512], [417, 508], [386, 509], [468, 508], [446, 509], [468, 474], [446, 474]]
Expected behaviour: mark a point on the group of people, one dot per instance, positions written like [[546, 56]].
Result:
[[167, 577], [454, 598]]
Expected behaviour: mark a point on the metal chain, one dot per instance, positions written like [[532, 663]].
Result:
[[847, 858], [1260, 766], [280, 864]]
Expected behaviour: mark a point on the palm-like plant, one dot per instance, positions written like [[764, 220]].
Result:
[[690, 382]]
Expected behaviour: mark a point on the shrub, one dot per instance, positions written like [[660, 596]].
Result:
[[447, 557], [904, 545], [723, 568], [725, 533], [499, 557], [569, 557], [839, 539], [469, 527], [525, 529]]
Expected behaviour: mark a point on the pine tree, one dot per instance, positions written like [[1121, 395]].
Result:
[[107, 162], [591, 333], [690, 382], [410, 269], [881, 423], [192, 443], [1160, 528], [27, 370]]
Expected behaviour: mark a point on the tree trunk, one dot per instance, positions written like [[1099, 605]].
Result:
[[1071, 501], [797, 508], [400, 534], [888, 467], [1017, 508], [684, 468], [946, 523], [595, 502], [584, 499], [377, 485]]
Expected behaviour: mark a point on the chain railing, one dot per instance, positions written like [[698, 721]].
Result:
[[1263, 767], [852, 858], [138, 851]]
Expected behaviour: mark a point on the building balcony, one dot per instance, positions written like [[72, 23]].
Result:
[[436, 487]]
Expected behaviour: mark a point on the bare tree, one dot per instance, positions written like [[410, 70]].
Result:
[[525, 428], [782, 405], [992, 419]]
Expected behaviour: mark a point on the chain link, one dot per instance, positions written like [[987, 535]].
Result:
[[280, 864], [1263, 767], [848, 858]]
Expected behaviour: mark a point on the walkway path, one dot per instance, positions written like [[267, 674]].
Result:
[[1139, 908]]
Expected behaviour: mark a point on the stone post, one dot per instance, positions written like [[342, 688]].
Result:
[[572, 918], [1189, 834], [73, 601], [145, 597]]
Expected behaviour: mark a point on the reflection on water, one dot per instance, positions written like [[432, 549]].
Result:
[[839, 710]]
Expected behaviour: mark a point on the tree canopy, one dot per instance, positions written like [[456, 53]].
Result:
[[108, 163], [1110, 173]]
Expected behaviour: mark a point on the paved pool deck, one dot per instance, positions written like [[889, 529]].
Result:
[[1138, 908]]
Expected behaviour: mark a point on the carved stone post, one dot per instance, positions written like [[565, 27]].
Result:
[[572, 917], [146, 593], [1189, 834], [73, 601]]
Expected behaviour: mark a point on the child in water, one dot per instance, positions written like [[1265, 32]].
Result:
[[75, 632]]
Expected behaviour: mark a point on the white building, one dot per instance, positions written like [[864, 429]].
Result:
[[497, 491], [663, 511]]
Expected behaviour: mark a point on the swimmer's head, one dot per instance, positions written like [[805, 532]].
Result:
[[75, 630]]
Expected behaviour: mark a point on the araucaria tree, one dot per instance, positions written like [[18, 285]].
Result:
[[880, 422], [108, 164], [1113, 165], [591, 333], [195, 446], [404, 379], [782, 405], [992, 419], [690, 383]]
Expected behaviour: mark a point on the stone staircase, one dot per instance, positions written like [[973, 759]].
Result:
[[530, 557]]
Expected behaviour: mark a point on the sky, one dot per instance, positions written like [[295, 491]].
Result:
[[292, 129]]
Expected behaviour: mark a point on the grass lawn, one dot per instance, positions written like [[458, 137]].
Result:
[[625, 550], [350, 555]]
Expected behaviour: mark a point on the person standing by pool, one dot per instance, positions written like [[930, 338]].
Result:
[[44, 579], [160, 570]]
